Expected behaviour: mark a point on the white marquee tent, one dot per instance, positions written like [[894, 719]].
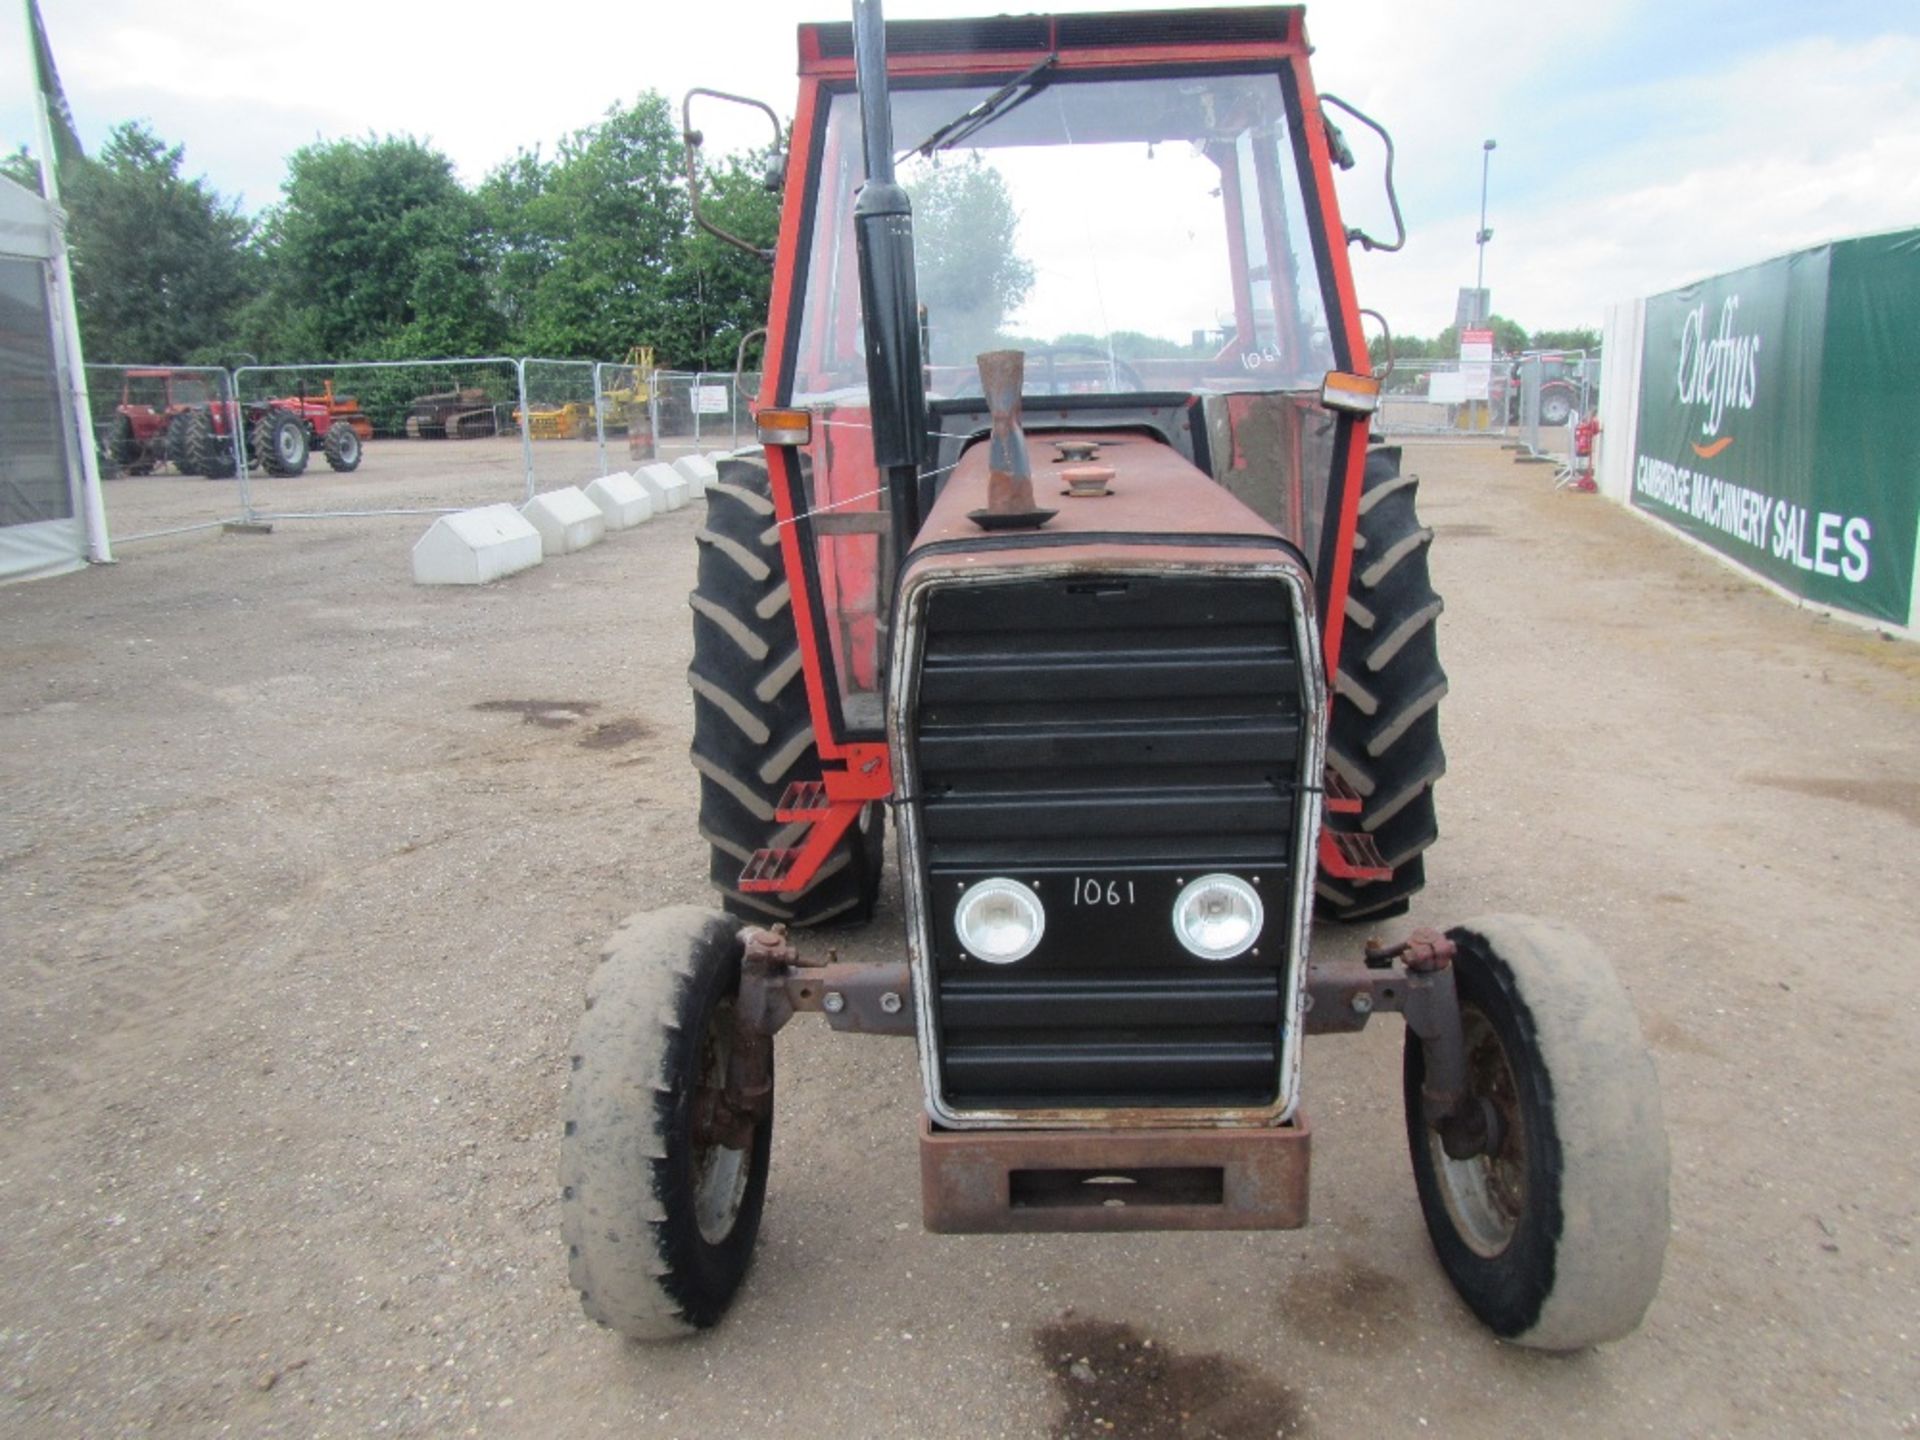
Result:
[[46, 500]]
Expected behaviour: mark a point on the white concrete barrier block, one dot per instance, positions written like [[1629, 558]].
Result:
[[667, 485], [622, 499], [700, 471], [566, 519], [475, 546]]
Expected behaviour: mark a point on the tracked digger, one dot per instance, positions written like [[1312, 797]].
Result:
[[1082, 582]]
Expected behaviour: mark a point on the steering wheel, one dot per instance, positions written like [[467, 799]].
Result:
[[1049, 381]]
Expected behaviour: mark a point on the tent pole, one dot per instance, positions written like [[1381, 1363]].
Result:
[[99, 546]]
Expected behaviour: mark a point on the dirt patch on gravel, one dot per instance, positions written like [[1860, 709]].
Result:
[[1114, 1382]]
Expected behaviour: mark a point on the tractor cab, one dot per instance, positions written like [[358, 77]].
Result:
[[1137, 203]]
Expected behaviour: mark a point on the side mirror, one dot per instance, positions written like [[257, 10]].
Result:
[[775, 178]]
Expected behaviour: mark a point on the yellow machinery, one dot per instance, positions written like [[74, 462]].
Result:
[[571, 421], [633, 392]]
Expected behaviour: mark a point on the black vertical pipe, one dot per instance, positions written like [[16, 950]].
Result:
[[870, 75], [889, 301]]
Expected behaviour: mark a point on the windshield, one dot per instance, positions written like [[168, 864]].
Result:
[[1130, 234]]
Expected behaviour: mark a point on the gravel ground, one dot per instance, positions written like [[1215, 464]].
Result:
[[302, 871]]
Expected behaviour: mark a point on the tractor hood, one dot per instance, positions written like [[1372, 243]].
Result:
[[1156, 499]]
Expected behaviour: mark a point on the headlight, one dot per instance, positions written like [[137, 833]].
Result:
[[1000, 921], [1218, 917]]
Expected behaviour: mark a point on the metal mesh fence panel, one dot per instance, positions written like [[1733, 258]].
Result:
[[169, 446], [696, 412], [561, 423], [623, 406], [1557, 391], [1445, 397], [383, 437]]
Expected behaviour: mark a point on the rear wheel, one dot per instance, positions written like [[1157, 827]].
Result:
[[122, 453], [342, 447], [280, 443], [175, 444], [122, 447], [1555, 1237], [752, 733], [660, 1222], [1384, 740], [209, 453]]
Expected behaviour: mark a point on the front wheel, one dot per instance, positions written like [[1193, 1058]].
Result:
[[659, 1218], [342, 447], [1556, 1236]]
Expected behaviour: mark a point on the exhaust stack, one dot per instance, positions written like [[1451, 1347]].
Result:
[[1009, 470]]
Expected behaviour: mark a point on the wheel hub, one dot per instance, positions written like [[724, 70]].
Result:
[[720, 1172], [1485, 1190]]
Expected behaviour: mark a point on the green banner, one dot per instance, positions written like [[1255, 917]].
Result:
[[1769, 424]]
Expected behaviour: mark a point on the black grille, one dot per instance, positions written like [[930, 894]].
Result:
[[1106, 740]]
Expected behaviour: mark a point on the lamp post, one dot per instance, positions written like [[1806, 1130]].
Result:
[[1484, 235]]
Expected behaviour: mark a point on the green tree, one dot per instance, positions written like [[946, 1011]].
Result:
[[717, 292], [970, 276], [585, 242], [1576, 339], [376, 251], [21, 168], [161, 263]]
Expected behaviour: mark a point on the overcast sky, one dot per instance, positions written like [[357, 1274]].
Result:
[[1641, 143]]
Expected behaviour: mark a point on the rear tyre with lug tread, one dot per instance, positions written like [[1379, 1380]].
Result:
[[280, 443], [1384, 738], [659, 1226], [752, 732], [209, 453], [175, 444], [1555, 1238]]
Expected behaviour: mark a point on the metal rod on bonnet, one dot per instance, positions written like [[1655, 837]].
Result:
[[889, 304]]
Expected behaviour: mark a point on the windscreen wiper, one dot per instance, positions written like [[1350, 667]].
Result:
[[1015, 92]]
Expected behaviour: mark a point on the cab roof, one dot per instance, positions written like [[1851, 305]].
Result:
[[1133, 37]]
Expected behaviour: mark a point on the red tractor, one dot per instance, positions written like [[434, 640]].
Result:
[[175, 417], [149, 425], [1137, 648]]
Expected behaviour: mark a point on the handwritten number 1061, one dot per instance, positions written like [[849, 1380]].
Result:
[[1090, 891]]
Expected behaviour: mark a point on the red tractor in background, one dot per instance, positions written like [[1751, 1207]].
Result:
[[1137, 653], [175, 417]]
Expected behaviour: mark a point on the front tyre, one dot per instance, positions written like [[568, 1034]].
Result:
[[1556, 1237], [659, 1222], [342, 447]]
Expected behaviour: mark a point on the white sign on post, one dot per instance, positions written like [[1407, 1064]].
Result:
[[711, 400], [1476, 363]]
